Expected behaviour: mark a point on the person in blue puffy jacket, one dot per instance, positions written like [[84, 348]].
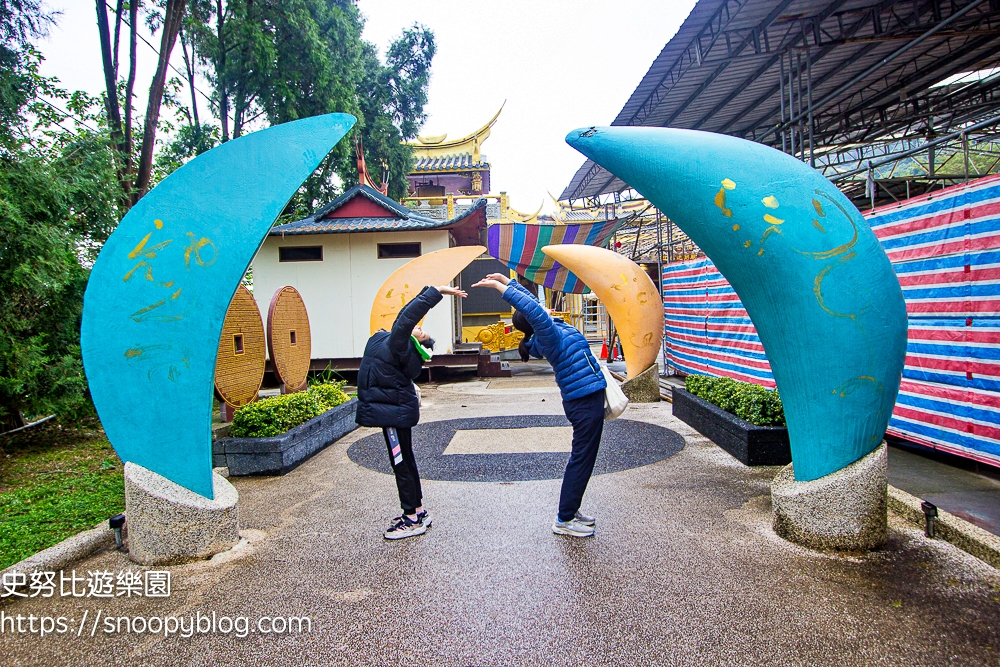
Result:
[[581, 384]]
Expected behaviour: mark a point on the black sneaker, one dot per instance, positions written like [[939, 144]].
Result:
[[404, 527], [423, 517]]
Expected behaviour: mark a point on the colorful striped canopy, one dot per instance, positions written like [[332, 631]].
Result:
[[945, 248], [519, 246]]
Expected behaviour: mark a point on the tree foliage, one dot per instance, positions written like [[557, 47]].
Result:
[[275, 61], [135, 169], [57, 205]]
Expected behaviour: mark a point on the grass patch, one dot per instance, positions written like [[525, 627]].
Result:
[[55, 482]]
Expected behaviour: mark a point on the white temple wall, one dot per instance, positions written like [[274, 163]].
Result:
[[339, 290]]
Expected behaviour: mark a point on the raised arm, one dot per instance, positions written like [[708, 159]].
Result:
[[517, 296], [412, 313], [415, 311], [539, 318]]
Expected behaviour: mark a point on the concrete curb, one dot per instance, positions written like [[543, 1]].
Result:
[[67, 552], [971, 539]]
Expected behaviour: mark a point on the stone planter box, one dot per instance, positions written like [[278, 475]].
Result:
[[752, 445], [279, 454]]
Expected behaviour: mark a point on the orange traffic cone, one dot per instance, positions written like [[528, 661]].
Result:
[[604, 349]]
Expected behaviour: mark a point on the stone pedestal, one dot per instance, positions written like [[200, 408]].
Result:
[[845, 510], [644, 387], [169, 524]]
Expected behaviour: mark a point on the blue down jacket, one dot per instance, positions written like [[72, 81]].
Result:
[[577, 372], [385, 380]]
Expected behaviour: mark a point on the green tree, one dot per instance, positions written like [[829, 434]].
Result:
[[392, 97], [281, 60], [57, 204], [135, 171]]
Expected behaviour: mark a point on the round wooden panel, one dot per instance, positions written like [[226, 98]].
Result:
[[239, 365], [288, 341]]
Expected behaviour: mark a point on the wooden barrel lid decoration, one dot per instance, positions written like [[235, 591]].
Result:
[[288, 341], [239, 365]]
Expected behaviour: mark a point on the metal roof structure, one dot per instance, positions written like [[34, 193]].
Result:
[[865, 90]]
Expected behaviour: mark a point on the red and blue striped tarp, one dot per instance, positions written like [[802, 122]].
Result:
[[519, 246], [945, 248]]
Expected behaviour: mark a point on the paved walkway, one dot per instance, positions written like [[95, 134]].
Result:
[[684, 570]]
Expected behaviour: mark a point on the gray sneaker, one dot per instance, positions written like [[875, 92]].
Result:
[[405, 528], [573, 528], [585, 520]]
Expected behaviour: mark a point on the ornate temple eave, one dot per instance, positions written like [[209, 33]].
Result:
[[438, 146], [446, 164]]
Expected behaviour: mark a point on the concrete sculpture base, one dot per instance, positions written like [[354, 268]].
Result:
[[845, 510], [644, 387], [168, 524]]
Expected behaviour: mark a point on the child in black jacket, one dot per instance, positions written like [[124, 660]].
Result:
[[387, 399]]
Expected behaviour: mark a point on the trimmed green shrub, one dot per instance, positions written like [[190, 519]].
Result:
[[329, 394], [276, 414], [748, 401]]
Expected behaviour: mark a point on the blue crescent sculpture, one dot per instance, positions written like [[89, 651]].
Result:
[[158, 293], [814, 279]]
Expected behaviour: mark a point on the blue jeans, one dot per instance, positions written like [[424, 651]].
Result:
[[586, 414]]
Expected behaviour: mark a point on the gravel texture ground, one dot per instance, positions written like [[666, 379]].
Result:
[[684, 570]]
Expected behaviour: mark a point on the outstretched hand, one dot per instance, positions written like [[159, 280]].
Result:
[[489, 282], [452, 291]]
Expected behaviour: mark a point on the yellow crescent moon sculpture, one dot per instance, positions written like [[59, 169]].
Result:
[[434, 268], [626, 291]]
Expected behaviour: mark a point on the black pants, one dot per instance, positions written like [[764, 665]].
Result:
[[586, 414], [405, 468]]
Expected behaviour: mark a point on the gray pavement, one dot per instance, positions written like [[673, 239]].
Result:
[[950, 483], [684, 570]]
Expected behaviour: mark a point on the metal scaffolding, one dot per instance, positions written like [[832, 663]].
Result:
[[889, 99]]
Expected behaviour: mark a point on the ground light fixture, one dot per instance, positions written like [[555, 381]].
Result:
[[930, 513], [116, 523]]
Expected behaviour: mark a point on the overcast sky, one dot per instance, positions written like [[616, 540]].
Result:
[[559, 64]]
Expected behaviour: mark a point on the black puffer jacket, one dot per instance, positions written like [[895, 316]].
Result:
[[385, 380]]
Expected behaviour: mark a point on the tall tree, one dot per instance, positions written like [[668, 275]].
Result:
[[392, 97], [282, 60], [135, 176], [20, 21]]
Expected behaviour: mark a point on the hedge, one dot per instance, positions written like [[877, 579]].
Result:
[[276, 414], [748, 401]]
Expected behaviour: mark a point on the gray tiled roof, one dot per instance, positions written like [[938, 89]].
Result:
[[455, 162], [407, 220]]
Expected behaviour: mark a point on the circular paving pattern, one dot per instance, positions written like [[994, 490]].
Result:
[[626, 444]]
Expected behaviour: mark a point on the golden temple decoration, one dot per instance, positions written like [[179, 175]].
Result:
[[438, 146], [495, 337]]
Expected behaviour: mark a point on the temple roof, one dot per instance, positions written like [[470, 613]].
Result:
[[364, 209], [438, 154], [455, 162]]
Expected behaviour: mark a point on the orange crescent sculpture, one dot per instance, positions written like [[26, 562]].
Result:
[[435, 268], [627, 292]]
